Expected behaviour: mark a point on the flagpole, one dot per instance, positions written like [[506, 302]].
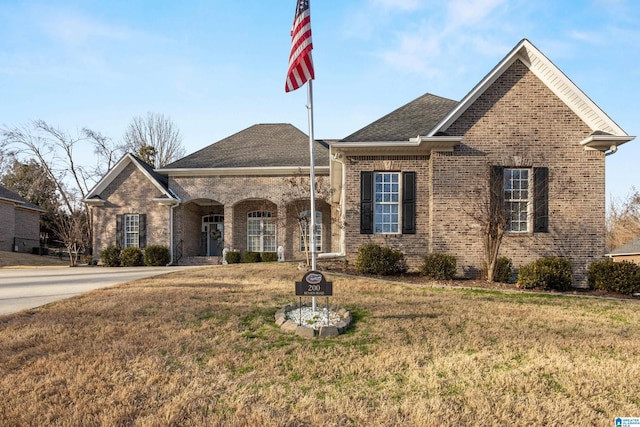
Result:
[[312, 185]]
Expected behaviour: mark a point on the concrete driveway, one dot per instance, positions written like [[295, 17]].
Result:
[[22, 289]]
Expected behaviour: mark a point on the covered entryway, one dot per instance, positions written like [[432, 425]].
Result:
[[212, 237]]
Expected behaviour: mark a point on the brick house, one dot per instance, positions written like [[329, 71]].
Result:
[[19, 223], [415, 179], [245, 192], [628, 252]]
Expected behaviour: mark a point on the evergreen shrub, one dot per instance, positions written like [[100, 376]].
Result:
[[438, 266], [380, 260]]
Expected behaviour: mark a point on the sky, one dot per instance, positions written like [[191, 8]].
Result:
[[217, 67]]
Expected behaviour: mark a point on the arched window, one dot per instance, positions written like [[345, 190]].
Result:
[[261, 232]]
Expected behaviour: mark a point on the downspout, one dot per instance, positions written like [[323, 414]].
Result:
[[342, 252], [171, 260]]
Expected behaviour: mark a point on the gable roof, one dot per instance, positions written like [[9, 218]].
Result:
[[159, 181], [10, 196], [631, 248], [409, 121], [260, 145], [599, 122]]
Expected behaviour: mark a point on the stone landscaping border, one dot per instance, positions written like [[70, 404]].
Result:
[[331, 330]]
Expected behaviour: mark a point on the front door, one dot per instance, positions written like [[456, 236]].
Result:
[[213, 234]]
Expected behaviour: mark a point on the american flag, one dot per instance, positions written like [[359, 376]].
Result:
[[300, 63]]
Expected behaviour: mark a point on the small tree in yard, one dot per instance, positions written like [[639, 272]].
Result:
[[71, 230]]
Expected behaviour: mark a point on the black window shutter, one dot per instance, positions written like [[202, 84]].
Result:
[[120, 231], [366, 202], [142, 224], [541, 200], [408, 203], [496, 193]]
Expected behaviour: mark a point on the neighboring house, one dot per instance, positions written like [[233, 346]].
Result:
[[629, 252], [19, 223], [417, 179]]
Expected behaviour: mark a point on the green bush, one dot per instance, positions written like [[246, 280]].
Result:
[[380, 260], [110, 256], [269, 256], [438, 266], [551, 273], [252, 256], [232, 257], [131, 257], [503, 270], [621, 277], [156, 256]]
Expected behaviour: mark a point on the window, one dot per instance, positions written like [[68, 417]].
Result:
[[131, 231], [517, 199], [261, 232], [387, 202], [523, 193], [306, 224]]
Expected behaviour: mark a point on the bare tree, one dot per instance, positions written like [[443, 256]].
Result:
[[54, 150], [155, 139], [623, 220], [71, 229]]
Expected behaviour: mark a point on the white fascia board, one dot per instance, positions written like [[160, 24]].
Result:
[[604, 142], [279, 170], [551, 76], [165, 201], [420, 144]]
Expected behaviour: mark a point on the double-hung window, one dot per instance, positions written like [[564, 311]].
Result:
[[132, 230], [387, 202], [517, 199], [261, 232], [524, 196], [386, 217]]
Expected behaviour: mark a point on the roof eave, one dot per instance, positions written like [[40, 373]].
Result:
[[252, 171], [421, 145], [605, 143]]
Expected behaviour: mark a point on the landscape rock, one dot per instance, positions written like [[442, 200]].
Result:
[[304, 332]]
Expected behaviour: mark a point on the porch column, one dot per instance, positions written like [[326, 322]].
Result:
[[228, 226], [282, 228]]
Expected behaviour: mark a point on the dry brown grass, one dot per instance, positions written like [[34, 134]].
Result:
[[200, 348], [21, 260]]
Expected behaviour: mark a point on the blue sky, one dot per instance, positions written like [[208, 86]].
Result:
[[216, 67]]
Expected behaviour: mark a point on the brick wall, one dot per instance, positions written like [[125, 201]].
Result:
[[517, 122], [7, 226], [235, 197], [130, 192]]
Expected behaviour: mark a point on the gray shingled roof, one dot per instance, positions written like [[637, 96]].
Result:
[[633, 247], [8, 194], [417, 117], [161, 179], [261, 145]]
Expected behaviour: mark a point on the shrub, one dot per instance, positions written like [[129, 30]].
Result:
[[380, 260], [546, 273], [232, 257], [252, 256], [156, 256], [438, 266], [621, 277], [269, 256], [503, 270], [131, 257], [110, 256]]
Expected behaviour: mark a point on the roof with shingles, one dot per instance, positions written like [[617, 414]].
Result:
[[631, 248], [417, 117], [260, 145], [161, 179], [10, 195]]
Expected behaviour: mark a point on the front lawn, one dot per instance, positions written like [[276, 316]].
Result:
[[200, 348]]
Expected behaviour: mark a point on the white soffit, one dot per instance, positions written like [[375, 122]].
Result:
[[552, 77]]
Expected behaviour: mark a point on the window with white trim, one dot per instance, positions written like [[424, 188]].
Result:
[[306, 224], [518, 199], [386, 219], [132, 230], [261, 232]]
